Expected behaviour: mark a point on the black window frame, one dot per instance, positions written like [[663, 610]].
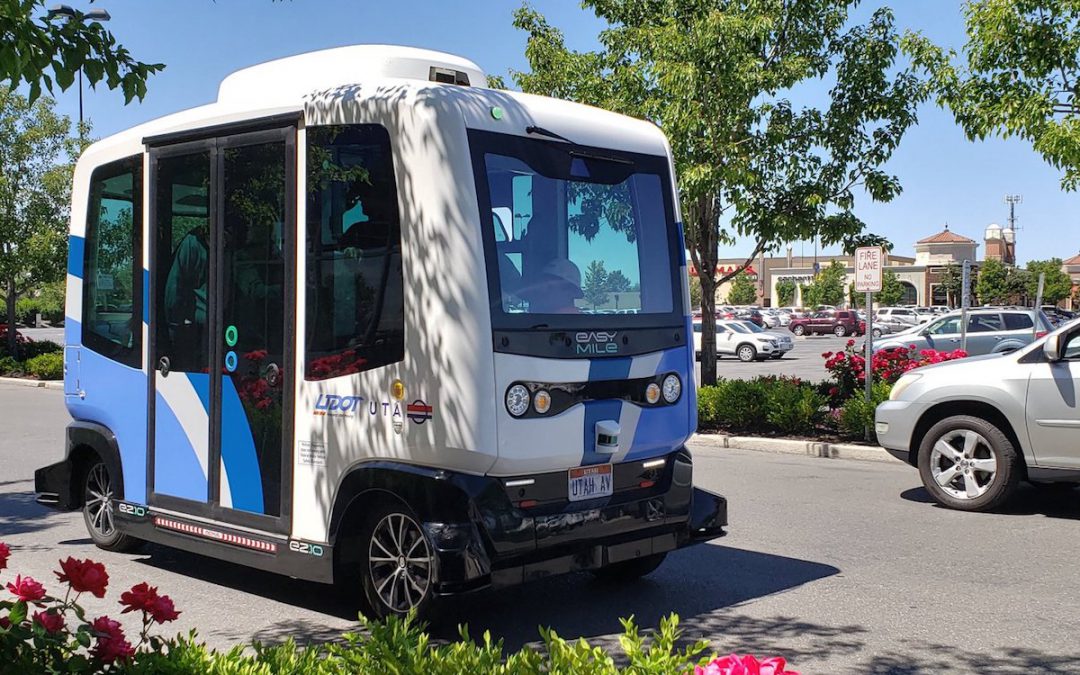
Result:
[[132, 355], [385, 355]]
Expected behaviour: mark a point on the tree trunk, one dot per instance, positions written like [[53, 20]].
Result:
[[11, 318], [703, 250]]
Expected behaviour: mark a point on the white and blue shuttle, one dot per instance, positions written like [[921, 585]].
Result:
[[365, 320]]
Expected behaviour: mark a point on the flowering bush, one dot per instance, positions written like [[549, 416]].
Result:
[[848, 367], [58, 637]]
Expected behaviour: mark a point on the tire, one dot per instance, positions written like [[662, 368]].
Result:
[[799, 330], [876, 333], [746, 353], [839, 331], [98, 510], [394, 588], [977, 468], [630, 570], [778, 355]]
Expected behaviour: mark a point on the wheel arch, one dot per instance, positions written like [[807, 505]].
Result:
[[85, 442], [980, 409]]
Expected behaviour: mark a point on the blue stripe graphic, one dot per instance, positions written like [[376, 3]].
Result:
[[238, 452], [76, 245]]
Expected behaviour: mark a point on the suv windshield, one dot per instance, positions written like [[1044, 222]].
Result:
[[574, 231]]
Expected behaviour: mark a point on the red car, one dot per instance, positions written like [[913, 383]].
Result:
[[839, 323]]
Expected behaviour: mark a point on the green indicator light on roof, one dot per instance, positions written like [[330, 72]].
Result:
[[496, 112]]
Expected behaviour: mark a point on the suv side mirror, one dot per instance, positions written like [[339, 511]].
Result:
[[1052, 347]]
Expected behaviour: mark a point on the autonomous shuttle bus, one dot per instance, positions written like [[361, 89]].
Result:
[[364, 320]]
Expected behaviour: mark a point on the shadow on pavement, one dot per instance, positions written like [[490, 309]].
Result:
[[694, 583], [1057, 501], [931, 658], [20, 512]]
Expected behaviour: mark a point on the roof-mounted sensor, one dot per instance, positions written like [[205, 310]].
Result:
[[448, 76]]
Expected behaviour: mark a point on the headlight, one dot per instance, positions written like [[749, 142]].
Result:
[[903, 383], [517, 400], [542, 401], [672, 388], [652, 393]]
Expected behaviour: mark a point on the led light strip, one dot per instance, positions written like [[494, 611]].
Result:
[[216, 535]]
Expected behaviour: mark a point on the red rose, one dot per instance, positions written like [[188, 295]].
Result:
[[52, 622], [26, 589], [5, 553], [84, 576], [111, 644], [140, 598], [163, 609]]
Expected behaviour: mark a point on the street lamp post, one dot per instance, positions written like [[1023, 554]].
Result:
[[67, 12]]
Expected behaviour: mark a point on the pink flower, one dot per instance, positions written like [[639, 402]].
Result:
[[733, 664], [5, 553], [52, 622], [140, 598], [163, 610], [84, 576], [26, 589]]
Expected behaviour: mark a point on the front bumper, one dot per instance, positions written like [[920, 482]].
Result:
[[512, 541], [894, 424]]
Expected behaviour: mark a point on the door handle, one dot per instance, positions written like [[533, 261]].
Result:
[[163, 366]]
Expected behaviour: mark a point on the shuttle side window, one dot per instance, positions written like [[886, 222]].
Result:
[[112, 263], [355, 298]]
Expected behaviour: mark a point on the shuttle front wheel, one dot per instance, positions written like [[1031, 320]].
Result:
[[99, 510], [398, 574]]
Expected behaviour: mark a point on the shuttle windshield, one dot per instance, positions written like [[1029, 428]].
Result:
[[574, 232]]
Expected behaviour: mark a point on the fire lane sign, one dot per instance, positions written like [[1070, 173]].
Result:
[[868, 265]]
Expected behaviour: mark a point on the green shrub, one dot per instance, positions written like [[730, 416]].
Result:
[[740, 404], [855, 415], [39, 347], [793, 407], [48, 301], [9, 366], [47, 366]]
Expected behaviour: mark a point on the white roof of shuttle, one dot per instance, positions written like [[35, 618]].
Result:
[[284, 85]]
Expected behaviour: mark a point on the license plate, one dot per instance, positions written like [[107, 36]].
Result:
[[590, 482]]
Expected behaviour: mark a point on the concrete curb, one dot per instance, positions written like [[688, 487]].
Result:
[[38, 384], [788, 446]]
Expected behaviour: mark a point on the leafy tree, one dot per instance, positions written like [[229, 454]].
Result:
[[855, 241], [1058, 285], [1017, 75], [998, 283], [892, 291], [715, 76], [35, 190], [617, 282], [828, 287], [952, 281], [743, 290], [40, 51], [595, 286], [785, 292], [695, 291]]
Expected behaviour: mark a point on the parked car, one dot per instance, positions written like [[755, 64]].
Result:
[[898, 314], [989, 331], [975, 428], [771, 318], [750, 314], [745, 340], [840, 323]]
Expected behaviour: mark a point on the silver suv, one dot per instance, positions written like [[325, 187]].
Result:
[[990, 331], [976, 427]]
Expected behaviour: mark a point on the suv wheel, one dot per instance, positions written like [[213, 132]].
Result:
[[746, 353], [798, 330], [967, 463], [877, 334], [839, 331]]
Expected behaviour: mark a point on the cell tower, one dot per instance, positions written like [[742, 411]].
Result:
[[1012, 201]]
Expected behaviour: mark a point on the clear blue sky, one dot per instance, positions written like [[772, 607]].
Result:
[[945, 177]]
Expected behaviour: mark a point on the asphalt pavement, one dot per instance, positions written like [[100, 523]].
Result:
[[841, 566], [803, 361]]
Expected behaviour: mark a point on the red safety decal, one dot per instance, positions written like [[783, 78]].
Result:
[[216, 535]]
